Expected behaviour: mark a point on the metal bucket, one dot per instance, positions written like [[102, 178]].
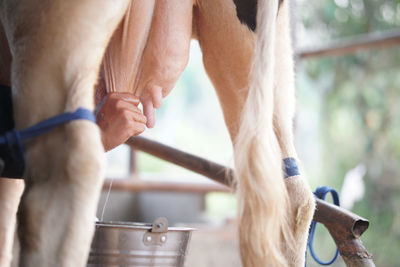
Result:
[[139, 244]]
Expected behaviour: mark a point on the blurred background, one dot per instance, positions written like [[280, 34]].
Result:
[[347, 135]]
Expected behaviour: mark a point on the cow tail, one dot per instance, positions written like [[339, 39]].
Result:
[[262, 196]]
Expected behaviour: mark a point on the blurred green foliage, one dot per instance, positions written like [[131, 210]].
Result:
[[357, 102]]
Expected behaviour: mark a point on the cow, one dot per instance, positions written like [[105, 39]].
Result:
[[53, 53]]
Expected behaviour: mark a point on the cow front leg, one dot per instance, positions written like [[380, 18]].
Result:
[[302, 203], [57, 49], [10, 194]]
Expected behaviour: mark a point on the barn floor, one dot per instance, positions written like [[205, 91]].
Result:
[[217, 246], [213, 246]]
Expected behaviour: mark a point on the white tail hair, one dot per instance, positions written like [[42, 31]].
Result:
[[262, 196]]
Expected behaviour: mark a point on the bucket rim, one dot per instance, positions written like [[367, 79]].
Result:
[[137, 225]]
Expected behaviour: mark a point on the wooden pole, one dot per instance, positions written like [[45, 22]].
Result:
[[344, 226], [138, 185], [353, 44], [212, 170]]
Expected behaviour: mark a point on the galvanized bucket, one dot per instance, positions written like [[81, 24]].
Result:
[[139, 244]]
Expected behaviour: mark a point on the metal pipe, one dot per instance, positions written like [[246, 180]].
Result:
[[344, 226]]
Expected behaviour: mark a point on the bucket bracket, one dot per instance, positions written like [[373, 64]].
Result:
[[157, 235], [160, 225]]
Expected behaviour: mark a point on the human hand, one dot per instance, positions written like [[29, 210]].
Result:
[[119, 118]]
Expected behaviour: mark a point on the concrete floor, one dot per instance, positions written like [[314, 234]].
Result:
[[214, 246]]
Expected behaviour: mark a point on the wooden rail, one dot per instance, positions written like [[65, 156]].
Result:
[[353, 44], [137, 185], [344, 226]]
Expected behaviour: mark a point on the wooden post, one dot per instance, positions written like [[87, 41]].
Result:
[[345, 228]]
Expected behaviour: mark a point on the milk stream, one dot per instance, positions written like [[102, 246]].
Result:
[[105, 202]]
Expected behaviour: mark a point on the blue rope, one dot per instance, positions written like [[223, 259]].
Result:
[[290, 167], [321, 193], [13, 139], [51, 123]]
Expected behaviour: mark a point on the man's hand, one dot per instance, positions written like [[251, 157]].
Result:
[[119, 118]]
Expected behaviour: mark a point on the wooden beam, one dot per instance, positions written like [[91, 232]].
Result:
[[137, 185], [212, 170], [353, 44]]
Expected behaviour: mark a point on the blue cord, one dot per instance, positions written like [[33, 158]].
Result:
[[13, 139], [290, 167], [49, 124], [321, 193]]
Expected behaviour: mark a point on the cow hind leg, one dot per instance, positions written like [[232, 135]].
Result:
[[246, 98], [301, 198], [57, 50]]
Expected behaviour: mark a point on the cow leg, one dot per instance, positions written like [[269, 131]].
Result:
[[228, 50], [228, 47], [10, 194], [57, 49], [301, 198]]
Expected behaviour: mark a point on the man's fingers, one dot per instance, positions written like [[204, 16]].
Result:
[[119, 118], [135, 101], [128, 97], [121, 104], [132, 116], [137, 128], [137, 110]]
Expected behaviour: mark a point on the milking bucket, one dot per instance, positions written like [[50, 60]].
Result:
[[139, 244]]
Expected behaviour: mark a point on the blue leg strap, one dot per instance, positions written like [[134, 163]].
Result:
[[290, 167], [12, 140]]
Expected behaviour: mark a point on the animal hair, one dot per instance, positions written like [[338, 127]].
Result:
[[262, 196]]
